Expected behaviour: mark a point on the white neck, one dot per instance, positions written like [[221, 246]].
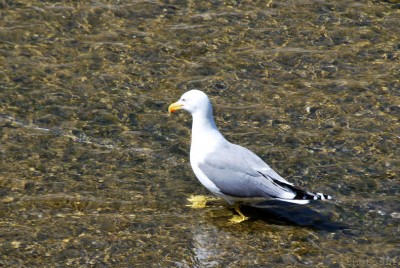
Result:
[[204, 130]]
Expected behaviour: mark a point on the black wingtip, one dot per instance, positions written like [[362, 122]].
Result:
[[321, 196], [303, 195]]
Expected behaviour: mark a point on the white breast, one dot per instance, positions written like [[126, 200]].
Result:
[[205, 180], [198, 152]]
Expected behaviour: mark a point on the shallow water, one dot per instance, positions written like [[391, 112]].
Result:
[[95, 172]]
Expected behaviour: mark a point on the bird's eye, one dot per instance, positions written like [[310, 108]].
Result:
[[183, 99]]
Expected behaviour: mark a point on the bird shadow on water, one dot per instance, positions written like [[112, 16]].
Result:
[[282, 213]]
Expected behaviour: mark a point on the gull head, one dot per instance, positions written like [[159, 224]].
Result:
[[194, 102]]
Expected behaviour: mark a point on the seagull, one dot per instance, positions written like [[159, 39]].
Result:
[[230, 171]]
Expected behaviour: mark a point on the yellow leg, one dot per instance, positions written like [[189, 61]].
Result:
[[238, 218]]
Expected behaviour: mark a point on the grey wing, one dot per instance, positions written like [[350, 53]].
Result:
[[251, 159], [238, 172]]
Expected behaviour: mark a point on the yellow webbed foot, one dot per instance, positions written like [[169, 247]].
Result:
[[238, 218], [199, 201]]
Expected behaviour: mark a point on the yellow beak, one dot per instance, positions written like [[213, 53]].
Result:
[[174, 107]]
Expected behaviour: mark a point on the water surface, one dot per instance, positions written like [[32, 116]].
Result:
[[94, 172]]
